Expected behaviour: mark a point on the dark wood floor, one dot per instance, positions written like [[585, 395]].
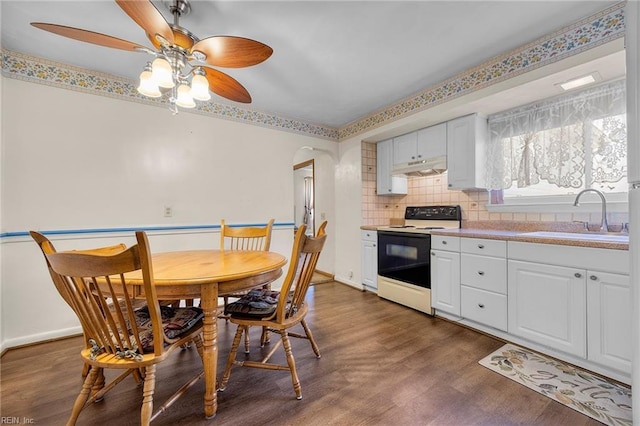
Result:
[[382, 364]]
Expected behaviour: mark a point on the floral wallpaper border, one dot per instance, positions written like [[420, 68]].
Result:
[[593, 31]]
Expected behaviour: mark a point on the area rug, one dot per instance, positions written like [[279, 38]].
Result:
[[593, 396]]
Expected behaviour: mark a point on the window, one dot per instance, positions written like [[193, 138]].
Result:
[[555, 148]]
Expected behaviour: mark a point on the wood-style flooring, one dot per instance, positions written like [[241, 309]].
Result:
[[382, 364]]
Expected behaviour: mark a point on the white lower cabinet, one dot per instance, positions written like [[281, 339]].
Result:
[[609, 305], [445, 274], [547, 305], [370, 260]]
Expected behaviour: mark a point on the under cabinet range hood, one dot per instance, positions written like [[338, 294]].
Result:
[[427, 167]]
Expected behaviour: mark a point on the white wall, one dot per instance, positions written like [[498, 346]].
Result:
[[72, 160]]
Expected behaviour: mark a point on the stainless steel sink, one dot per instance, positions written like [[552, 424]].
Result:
[[616, 238]]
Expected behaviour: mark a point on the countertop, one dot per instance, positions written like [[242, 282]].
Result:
[[505, 235]]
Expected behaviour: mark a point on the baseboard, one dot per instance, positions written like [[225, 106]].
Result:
[[325, 274], [349, 282], [39, 338]]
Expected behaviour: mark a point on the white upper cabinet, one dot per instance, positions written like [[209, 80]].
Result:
[[432, 141], [387, 184], [426, 143], [632, 47], [466, 140], [405, 148]]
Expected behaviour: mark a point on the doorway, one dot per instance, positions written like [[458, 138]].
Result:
[[304, 196]]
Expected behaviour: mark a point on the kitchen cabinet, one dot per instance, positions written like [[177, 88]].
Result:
[[370, 260], [483, 279], [466, 142], [547, 305], [609, 327], [445, 274], [426, 143], [386, 183]]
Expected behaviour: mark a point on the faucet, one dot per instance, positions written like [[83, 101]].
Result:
[[604, 227]]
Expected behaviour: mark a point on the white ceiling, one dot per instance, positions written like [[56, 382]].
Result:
[[333, 61]]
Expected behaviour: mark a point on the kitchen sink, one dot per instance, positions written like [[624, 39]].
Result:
[[616, 238]]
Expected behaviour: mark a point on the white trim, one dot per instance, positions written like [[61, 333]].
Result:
[[40, 337], [616, 203]]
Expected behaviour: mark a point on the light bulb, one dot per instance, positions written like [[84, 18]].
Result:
[[148, 86], [162, 73], [184, 99], [200, 88]]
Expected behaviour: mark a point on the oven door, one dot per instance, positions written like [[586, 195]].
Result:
[[405, 257]]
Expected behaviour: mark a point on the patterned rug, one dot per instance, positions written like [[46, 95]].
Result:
[[593, 396]]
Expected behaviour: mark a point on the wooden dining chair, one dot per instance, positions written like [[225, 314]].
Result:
[[279, 311], [252, 238], [47, 247], [117, 335]]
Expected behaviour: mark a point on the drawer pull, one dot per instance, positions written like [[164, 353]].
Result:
[[594, 277], [433, 254], [481, 305], [444, 242], [480, 246], [374, 245], [577, 275], [480, 272]]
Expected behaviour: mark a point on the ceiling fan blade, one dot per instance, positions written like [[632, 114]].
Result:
[[89, 36], [232, 52], [145, 14], [226, 86]]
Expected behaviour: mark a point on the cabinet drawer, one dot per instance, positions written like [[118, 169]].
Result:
[[442, 242], [484, 247], [484, 307], [487, 273], [369, 236]]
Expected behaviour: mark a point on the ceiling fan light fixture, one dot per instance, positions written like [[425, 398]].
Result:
[[162, 72], [184, 98], [148, 87], [200, 87]]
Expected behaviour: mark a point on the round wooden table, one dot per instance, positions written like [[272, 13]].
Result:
[[207, 274]]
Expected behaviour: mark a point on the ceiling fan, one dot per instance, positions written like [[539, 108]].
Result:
[[179, 54]]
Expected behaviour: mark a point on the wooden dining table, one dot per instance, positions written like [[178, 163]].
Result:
[[208, 274]]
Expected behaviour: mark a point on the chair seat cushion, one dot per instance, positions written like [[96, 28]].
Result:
[[175, 322], [257, 303]]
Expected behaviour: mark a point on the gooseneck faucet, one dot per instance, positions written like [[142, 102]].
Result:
[[604, 227]]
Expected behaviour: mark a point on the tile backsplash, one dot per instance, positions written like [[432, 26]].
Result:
[[432, 190]]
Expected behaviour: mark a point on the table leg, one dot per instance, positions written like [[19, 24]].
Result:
[[209, 305]]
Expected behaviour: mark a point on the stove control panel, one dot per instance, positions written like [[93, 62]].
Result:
[[433, 213]]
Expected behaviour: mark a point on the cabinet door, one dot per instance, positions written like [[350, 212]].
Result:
[[466, 138], [445, 281], [547, 305], [432, 141], [386, 184], [370, 264], [609, 305], [405, 148]]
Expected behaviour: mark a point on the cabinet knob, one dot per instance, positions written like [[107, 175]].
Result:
[[594, 277], [419, 156], [480, 272], [480, 246], [481, 305], [433, 254], [450, 185], [444, 242], [577, 275]]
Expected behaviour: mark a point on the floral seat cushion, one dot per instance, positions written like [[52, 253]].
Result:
[[257, 303], [175, 321]]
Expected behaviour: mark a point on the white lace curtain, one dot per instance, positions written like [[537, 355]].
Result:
[[569, 141]]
